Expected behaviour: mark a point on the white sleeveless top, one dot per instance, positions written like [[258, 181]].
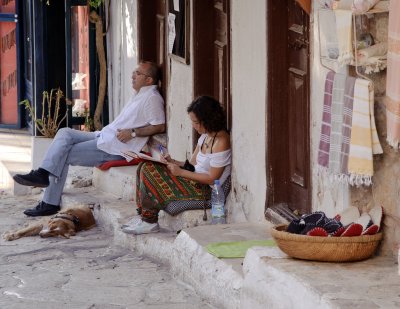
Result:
[[217, 159]]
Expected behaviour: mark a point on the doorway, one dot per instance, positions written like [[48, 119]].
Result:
[[211, 53], [151, 33], [288, 139]]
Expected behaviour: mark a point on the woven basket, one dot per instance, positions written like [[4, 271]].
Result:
[[326, 249]]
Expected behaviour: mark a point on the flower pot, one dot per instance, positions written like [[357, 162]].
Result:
[[40, 145]]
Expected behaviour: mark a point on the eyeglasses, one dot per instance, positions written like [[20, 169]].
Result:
[[138, 73]]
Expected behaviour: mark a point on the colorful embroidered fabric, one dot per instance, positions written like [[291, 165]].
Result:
[[156, 187]]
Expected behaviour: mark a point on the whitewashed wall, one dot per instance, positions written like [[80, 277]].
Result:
[[249, 80], [121, 53], [180, 94]]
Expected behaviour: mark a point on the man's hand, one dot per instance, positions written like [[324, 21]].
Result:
[[124, 135]]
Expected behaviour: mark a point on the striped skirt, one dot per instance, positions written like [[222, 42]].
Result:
[[156, 187]]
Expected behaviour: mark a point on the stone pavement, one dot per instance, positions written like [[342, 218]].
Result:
[[265, 278], [86, 271]]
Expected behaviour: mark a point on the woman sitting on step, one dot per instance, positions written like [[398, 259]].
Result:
[[159, 184]]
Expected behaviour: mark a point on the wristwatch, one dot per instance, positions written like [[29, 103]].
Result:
[[133, 134]]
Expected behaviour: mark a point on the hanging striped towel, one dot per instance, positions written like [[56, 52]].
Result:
[[347, 123], [344, 35], [392, 99], [364, 140], [335, 148], [324, 142]]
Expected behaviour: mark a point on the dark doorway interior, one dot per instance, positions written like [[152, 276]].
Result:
[[151, 32], [211, 52]]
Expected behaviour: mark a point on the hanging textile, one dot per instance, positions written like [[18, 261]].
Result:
[[335, 148], [325, 139], [347, 124], [364, 142], [344, 33], [305, 5], [392, 99]]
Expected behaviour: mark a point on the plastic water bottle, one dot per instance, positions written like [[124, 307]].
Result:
[[217, 204]]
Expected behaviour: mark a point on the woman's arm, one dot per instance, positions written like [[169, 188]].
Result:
[[214, 173], [192, 160], [194, 155]]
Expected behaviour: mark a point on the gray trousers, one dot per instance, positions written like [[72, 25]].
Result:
[[70, 147]]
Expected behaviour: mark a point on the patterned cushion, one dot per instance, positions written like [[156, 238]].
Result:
[[176, 207]]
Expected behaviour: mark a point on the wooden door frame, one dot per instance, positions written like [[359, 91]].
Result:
[[148, 18], [276, 60]]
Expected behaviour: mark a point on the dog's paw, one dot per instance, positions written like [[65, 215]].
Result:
[[9, 236]]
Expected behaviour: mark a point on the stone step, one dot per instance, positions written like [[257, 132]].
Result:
[[273, 280], [119, 181], [15, 157], [219, 281]]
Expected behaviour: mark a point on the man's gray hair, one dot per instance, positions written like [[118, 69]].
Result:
[[153, 71]]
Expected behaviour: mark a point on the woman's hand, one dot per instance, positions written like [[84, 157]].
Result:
[[174, 169], [166, 158]]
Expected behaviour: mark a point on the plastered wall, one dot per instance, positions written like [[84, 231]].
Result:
[[249, 79], [180, 94]]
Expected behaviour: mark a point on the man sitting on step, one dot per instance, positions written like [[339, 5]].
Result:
[[142, 117]]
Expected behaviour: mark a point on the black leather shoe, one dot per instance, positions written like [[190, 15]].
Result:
[[42, 209], [34, 178]]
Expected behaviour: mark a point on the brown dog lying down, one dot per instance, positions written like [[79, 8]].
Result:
[[65, 224]]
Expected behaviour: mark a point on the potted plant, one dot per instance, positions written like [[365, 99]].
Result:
[[47, 124], [51, 119]]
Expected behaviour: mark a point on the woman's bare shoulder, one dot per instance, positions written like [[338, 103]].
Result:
[[224, 142]]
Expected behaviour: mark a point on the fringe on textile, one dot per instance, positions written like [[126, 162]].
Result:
[[360, 180], [345, 58]]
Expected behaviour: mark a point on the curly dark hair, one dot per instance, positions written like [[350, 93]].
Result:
[[209, 113]]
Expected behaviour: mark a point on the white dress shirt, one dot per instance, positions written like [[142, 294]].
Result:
[[144, 108]]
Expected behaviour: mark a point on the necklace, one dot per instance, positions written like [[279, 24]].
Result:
[[210, 139]]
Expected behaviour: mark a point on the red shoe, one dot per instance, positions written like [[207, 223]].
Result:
[[317, 231], [372, 230], [353, 229], [365, 221], [339, 231]]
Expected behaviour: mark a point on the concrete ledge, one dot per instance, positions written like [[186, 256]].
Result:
[[267, 279], [184, 220], [276, 281], [119, 181], [219, 281]]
